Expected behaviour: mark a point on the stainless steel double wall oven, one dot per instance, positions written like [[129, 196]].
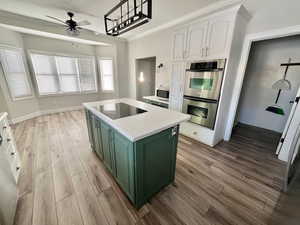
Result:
[[202, 91]]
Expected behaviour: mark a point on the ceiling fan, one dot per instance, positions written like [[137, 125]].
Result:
[[73, 27]]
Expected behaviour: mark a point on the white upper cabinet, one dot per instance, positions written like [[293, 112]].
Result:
[[205, 39], [177, 86], [196, 40], [218, 37], [179, 44]]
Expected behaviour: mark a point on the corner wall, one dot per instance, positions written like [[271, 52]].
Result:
[[263, 70], [23, 109]]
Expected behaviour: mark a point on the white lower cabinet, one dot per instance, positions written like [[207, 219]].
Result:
[[10, 166], [177, 86]]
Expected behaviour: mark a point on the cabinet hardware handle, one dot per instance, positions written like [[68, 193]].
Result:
[[206, 51], [174, 131], [1, 140], [4, 127], [17, 168], [8, 139], [12, 153]]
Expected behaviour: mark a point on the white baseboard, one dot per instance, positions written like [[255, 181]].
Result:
[[43, 112]]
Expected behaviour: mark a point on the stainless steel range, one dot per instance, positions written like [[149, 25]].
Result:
[[202, 91]]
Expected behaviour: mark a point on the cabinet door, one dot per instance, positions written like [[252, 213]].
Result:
[[196, 40], [107, 147], [179, 44], [8, 191], [88, 118], [97, 137], [155, 163], [177, 86], [218, 37], [123, 150]]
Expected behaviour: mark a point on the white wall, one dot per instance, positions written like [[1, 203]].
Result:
[[37, 43], [262, 71], [158, 45], [21, 107]]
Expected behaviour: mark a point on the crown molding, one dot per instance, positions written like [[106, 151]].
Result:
[[199, 13]]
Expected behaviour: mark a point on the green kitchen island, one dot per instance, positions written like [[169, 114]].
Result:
[[137, 143]]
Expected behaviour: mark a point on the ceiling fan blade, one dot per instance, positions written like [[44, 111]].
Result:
[[83, 23], [59, 20]]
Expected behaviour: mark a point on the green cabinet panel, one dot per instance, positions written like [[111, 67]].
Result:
[[89, 127], [108, 147], [124, 164], [96, 127], [141, 168], [155, 163]]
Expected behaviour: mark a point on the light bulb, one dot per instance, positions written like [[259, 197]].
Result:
[[141, 78]]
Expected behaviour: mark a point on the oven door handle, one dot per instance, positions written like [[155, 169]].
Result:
[[197, 99]]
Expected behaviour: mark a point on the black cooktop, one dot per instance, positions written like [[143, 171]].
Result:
[[118, 110]]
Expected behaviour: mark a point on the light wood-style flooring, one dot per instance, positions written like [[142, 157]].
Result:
[[63, 183]]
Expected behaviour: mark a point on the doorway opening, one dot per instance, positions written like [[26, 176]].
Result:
[[145, 77], [253, 119]]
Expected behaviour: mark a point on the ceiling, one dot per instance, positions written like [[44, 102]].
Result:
[[164, 11]]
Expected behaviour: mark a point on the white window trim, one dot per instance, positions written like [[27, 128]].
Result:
[[8, 47], [114, 74], [31, 51]]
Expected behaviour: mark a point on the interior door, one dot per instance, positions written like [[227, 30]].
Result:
[[179, 44], [218, 37], [177, 86], [285, 144], [196, 40]]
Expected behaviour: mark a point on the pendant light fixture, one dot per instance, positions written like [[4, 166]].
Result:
[[127, 15]]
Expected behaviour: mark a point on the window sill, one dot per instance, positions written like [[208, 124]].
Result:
[[22, 98], [66, 94]]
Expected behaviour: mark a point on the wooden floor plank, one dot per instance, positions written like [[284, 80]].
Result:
[[90, 209], [68, 212], [44, 210], [64, 183]]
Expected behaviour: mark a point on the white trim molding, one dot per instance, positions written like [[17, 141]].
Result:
[[249, 39], [43, 112], [221, 5]]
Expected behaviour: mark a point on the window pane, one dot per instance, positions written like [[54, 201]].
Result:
[[14, 62], [87, 74], [107, 66], [69, 83], [15, 73], [43, 64], [85, 66], [87, 83], [47, 84], [18, 85], [66, 65], [107, 83]]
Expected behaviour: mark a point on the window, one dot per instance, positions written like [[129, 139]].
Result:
[[16, 76], [64, 74], [107, 74]]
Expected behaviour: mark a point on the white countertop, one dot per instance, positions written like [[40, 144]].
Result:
[[138, 126], [157, 99]]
